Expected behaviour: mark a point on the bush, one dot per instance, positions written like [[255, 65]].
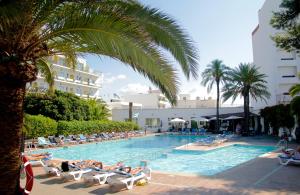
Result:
[[90, 127], [65, 106], [36, 126], [278, 116], [295, 107]]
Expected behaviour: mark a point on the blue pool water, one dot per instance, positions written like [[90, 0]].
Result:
[[159, 151]]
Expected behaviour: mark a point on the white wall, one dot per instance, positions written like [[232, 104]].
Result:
[[271, 60], [165, 114]]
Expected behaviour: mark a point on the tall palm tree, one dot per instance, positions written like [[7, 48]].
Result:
[[33, 30], [245, 80], [215, 73]]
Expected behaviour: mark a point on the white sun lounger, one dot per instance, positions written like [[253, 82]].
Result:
[[129, 179], [51, 170], [76, 175], [285, 161], [97, 176]]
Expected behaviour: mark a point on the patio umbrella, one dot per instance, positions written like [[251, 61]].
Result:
[[177, 120], [199, 119], [232, 117], [214, 118]]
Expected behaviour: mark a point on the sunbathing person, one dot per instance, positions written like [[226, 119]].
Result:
[[100, 165], [41, 156]]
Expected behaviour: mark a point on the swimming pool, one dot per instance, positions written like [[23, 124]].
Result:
[[159, 151]]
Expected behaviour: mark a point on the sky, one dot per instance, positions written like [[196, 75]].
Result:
[[221, 29]]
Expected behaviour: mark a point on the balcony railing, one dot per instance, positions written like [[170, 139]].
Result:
[[283, 99]]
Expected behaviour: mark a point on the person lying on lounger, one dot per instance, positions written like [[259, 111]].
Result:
[[40, 156], [100, 165]]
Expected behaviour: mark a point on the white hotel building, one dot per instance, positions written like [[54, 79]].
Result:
[[81, 81], [282, 68]]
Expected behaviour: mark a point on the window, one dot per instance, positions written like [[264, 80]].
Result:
[[287, 58], [61, 61], [80, 66], [152, 122], [288, 76]]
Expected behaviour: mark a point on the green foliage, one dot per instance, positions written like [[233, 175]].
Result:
[[278, 116], [121, 29], [245, 80], [215, 73], [90, 127], [295, 107], [65, 106], [287, 19], [194, 124], [36, 126], [294, 90]]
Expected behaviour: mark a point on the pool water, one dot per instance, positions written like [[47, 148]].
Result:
[[159, 152]]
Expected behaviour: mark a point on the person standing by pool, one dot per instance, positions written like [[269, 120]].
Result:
[[238, 128]]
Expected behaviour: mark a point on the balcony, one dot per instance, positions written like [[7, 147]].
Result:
[[283, 99], [288, 79]]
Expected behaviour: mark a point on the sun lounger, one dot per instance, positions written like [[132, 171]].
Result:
[[285, 160], [40, 161], [74, 172], [97, 176], [52, 140], [100, 175], [43, 142], [70, 139], [128, 180], [51, 169], [81, 138]]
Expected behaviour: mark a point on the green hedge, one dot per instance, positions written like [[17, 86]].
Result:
[[90, 127], [39, 125]]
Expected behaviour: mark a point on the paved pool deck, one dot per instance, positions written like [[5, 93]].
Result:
[[262, 175]]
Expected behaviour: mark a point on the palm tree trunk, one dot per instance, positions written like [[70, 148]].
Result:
[[130, 111], [246, 112], [11, 121], [13, 79], [218, 101]]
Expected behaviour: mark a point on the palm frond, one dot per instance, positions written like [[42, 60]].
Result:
[[47, 71], [294, 90]]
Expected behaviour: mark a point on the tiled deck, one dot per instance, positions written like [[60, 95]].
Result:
[[262, 175]]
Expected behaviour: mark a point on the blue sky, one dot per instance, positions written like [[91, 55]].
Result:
[[220, 29]]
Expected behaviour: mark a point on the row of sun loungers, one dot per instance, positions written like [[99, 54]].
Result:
[[93, 172], [76, 139]]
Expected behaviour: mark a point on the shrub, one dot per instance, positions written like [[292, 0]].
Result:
[[278, 116], [295, 107], [36, 126], [90, 127], [65, 106]]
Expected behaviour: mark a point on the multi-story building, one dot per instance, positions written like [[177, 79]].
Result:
[[185, 101], [152, 99], [282, 68], [81, 81]]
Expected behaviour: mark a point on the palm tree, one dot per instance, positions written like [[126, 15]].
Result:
[[215, 73], [33, 30], [245, 80]]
